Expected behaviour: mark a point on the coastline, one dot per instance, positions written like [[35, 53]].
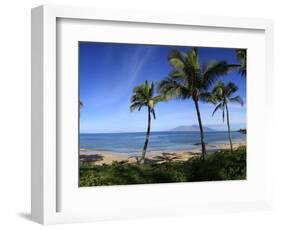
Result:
[[98, 157]]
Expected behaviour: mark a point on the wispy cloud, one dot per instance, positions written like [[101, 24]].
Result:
[[130, 71], [136, 62]]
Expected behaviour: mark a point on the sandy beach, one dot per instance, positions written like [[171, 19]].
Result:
[[98, 157]]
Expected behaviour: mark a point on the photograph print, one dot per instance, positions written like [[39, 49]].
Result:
[[161, 114]]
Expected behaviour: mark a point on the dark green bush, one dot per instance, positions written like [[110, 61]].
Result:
[[216, 166]]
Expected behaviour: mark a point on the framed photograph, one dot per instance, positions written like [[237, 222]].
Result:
[[139, 114]]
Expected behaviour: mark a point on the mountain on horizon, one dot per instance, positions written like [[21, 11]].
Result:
[[185, 128]]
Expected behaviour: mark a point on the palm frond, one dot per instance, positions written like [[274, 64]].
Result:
[[230, 88], [208, 97], [219, 87], [169, 88], [151, 90], [139, 93], [143, 95], [237, 99], [177, 59], [135, 106], [220, 105], [241, 55], [138, 97], [213, 71], [158, 98], [222, 94], [193, 59], [153, 113], [147, 88], [178, 75]]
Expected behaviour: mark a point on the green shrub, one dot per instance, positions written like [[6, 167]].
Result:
[[216, 166], [219, 166]]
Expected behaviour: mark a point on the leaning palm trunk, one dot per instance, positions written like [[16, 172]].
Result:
[[228, 127], [201, 129], [147, 137], [144, 97]]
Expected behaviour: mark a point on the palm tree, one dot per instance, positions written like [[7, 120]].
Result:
[[223, 95], [241, 55], [190, 79], [143, 95], [80, 104]]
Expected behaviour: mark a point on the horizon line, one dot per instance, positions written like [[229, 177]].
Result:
[[234, 130], [209, 126]]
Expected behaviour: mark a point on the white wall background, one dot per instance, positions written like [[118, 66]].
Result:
[[15, 112]]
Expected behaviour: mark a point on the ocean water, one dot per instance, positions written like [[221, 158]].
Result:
[[132, 143]]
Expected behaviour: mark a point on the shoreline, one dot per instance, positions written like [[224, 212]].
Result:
[[98, 157]]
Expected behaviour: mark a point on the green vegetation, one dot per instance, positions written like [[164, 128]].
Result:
[[143, 96], [217, 166], [223, 94], [241, 55], [189, 79]]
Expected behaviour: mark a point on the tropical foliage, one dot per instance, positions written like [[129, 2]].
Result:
[[241, 56], [223, 94], [217, 166], [143, 96], [191, 80]]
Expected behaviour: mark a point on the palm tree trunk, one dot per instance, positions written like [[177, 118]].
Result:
[[147, 136], [228, 127], [201, 129]]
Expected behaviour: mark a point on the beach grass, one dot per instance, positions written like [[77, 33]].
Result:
[[221, 165]]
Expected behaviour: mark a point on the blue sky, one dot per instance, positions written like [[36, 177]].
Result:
[[109, 71]]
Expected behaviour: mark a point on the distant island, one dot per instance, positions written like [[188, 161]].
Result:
[[244, 131], [189, 128]]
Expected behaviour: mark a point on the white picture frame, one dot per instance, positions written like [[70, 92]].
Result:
[[47, 175]]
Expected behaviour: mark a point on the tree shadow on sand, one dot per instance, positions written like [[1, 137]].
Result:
[[91, 158], [168, 157], [163, 158]]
